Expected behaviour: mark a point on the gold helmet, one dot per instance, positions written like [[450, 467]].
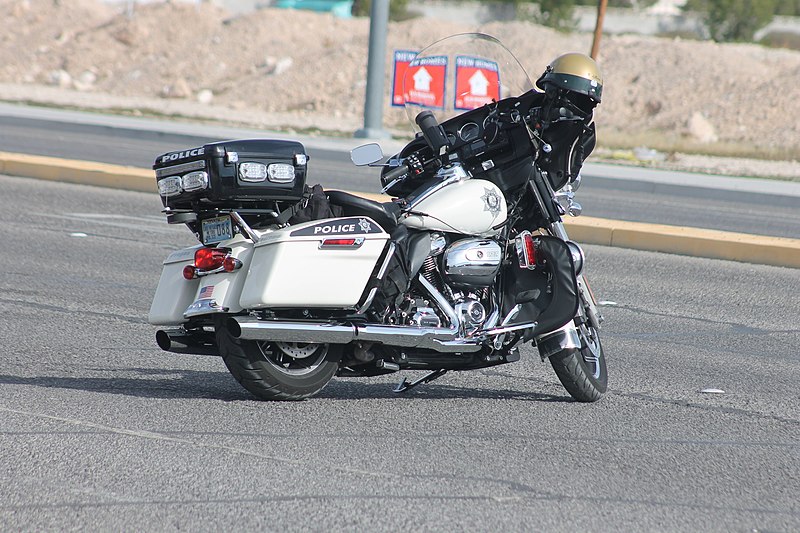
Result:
[[574, 73]]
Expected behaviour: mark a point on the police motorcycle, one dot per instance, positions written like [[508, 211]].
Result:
[[293, 286]]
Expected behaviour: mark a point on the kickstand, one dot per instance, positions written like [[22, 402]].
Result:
[[404, 385]]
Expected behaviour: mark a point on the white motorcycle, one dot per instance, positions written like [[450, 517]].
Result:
[[292, 285]]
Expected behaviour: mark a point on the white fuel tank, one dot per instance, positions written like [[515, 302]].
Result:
[[470, 207]]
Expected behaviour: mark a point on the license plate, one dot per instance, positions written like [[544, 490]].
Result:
[[217, 229]]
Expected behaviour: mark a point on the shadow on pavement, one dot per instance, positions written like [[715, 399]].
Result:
[[189, 384]]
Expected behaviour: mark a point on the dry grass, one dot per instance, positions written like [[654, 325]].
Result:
[[671, 143]]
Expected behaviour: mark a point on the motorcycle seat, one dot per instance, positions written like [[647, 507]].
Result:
[[385, 214]]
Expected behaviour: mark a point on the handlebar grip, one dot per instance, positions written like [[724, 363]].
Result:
[[395, 173], [433, 134]]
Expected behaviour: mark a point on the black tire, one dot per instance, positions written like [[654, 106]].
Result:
[[583, 371], [268, 372]]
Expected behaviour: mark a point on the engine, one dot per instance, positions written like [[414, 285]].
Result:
[[472, 262], [462, 273]]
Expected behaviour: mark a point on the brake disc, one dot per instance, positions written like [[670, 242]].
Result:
[[297, 350]]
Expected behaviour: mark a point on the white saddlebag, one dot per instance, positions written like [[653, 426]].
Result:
[[322, 263]]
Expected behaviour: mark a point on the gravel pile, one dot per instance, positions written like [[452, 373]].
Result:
[[304, 70]]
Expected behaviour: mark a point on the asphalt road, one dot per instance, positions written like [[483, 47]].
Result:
[[101, 431], [135, 143]]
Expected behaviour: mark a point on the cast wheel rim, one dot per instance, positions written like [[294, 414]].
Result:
[[293, 358]]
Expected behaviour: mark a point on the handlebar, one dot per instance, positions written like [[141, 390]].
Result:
[[396, 173], [394, 176]]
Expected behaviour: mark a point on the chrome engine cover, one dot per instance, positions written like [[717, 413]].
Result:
[[472, 262]]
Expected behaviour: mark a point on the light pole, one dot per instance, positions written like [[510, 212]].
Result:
[[376, 66]]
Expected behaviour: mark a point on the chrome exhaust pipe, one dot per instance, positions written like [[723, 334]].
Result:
[[443, 340], [250, 328], [181, 341], [438, 339]]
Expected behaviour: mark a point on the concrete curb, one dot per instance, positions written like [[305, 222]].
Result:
[[742, 247], [81, 172]]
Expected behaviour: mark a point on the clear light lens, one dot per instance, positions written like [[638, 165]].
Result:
[[300, 159], [170, 186], [252, 171], [281, 173], [194, 181]]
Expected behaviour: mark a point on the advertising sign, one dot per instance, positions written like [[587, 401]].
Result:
[[427, 81], [477, 82], [402, 58]]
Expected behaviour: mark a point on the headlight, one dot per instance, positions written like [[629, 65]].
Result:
[[253, 172], [281, 173], [169, 186], [194, 181]]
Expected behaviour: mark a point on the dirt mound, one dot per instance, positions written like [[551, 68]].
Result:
[[310, 68]]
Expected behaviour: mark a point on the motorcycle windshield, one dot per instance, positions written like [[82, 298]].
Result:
[[460, 73]]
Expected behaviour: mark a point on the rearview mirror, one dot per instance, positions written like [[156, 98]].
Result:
[[366, 154]]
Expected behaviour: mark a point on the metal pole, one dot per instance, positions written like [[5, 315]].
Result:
[[376, 66]]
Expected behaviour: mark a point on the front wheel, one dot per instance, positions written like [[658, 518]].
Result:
[[278, 370], [582, 371]]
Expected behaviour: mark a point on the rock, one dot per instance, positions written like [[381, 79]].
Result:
[[205, 96], [60, 78], [283, 64], [701, 129], [652, 107], [125, 36], [643, 153], [85, 81], [20, 8], [179, 89], [275, 66]]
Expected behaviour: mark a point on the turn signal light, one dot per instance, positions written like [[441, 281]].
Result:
[[526, 250], [230, 264], [189, 272]]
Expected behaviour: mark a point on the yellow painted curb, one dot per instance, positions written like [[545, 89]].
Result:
[[82, 172], [713, 244], [776, 251]]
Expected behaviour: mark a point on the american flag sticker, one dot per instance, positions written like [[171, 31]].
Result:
[[206, 292]]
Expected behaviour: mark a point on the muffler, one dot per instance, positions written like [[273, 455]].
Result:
[[438, 339], [181, 341], [251, 328]]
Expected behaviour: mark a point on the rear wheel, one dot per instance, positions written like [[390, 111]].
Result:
[[278, 370], [583, 371]]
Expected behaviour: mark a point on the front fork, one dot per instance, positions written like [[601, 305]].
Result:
[[589, 309], [575, 333]]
